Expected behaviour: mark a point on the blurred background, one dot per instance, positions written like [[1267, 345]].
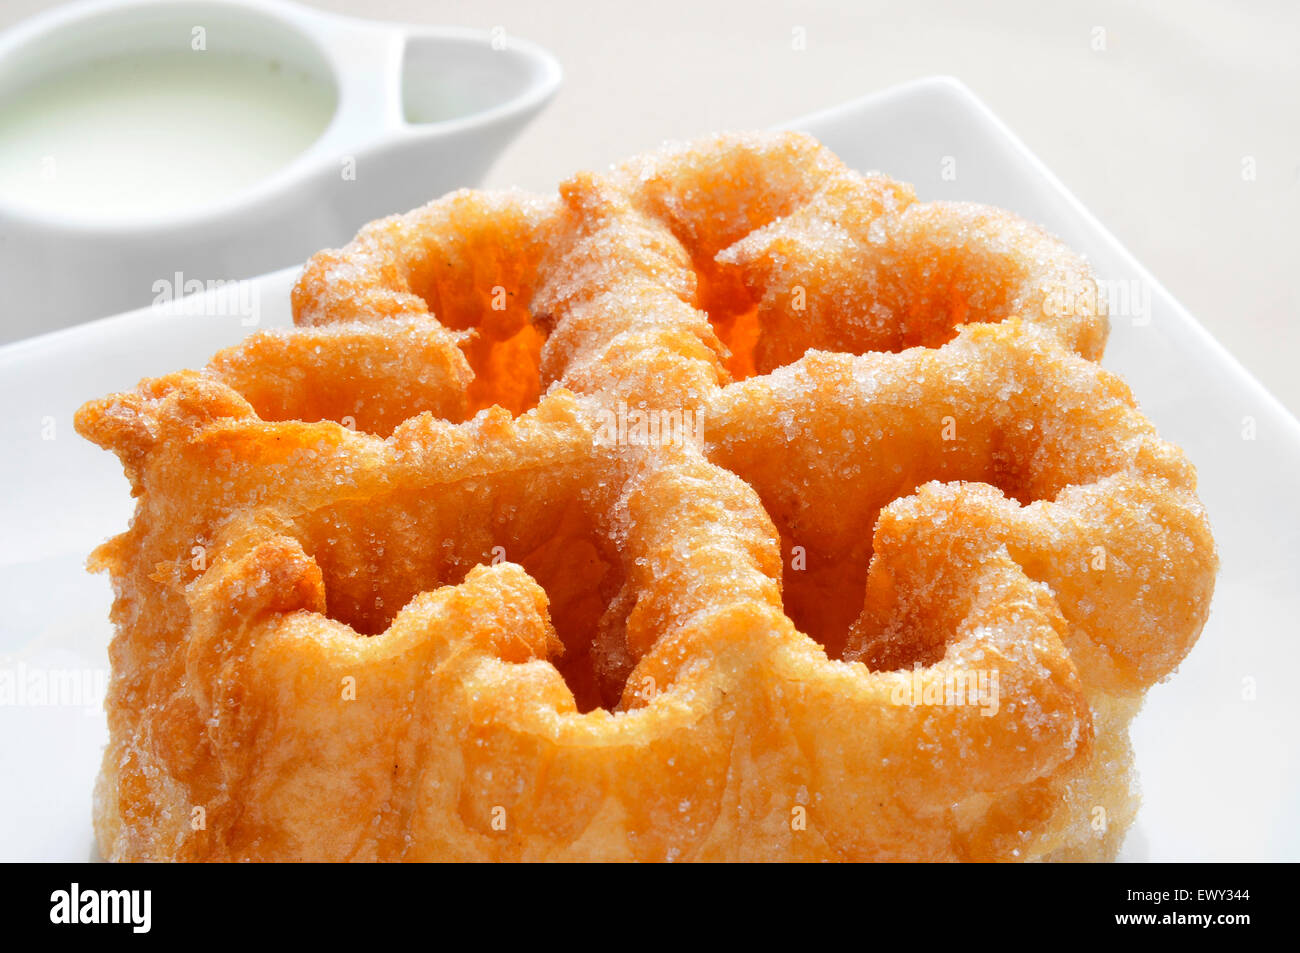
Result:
[[1176, 123]]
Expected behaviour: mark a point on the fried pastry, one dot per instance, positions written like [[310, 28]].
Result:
[[729, 505]]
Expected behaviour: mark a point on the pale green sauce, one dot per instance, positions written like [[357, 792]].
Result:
[[157, 133]]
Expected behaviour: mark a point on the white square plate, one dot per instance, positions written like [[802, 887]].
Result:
[[1216, 745]]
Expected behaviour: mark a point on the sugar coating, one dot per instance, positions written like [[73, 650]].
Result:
[[444, 573]]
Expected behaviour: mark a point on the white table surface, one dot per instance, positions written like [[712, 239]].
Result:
[[1146, 110]]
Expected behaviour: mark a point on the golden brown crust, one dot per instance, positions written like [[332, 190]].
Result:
[[487, 617]]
